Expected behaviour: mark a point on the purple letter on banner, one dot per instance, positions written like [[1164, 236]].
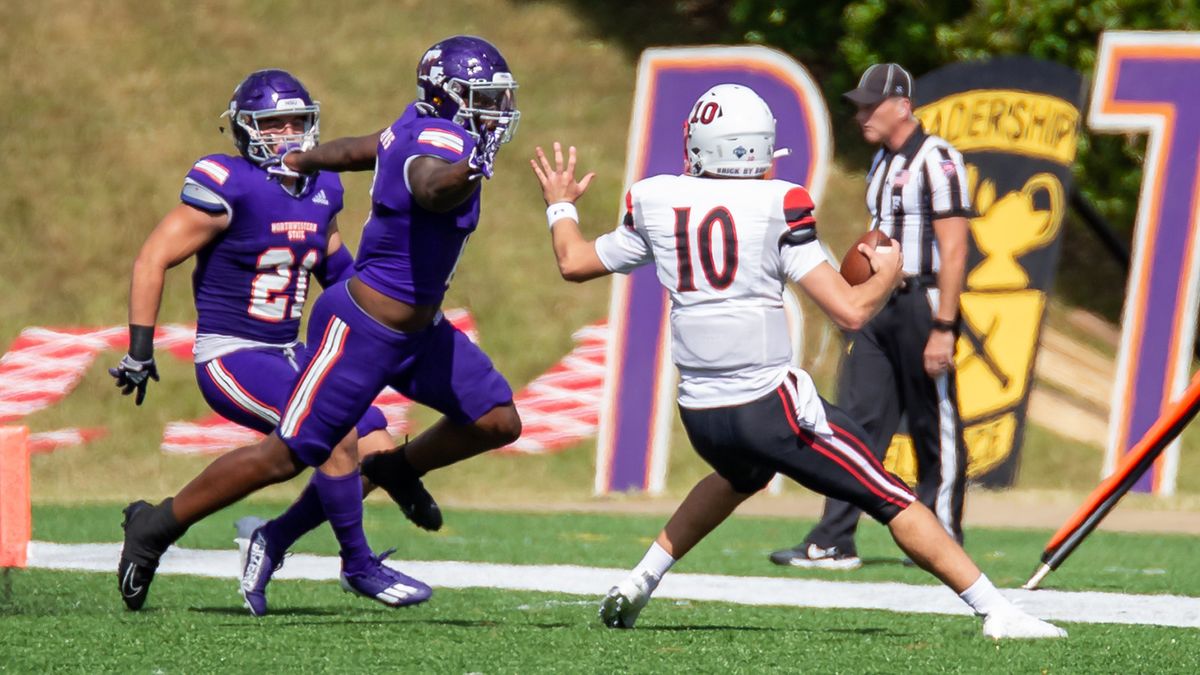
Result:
[[1148, 82], [635, 420]]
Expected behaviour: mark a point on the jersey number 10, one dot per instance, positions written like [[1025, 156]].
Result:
[[718, 279]]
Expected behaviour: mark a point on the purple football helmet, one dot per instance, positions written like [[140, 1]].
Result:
[[466, 80], [265, 94]]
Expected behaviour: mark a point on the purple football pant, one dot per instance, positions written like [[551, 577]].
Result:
[[353, 357], [250, 387]]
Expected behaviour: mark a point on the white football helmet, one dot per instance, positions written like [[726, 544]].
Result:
[[730, 132]]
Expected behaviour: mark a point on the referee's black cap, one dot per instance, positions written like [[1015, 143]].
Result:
[[879, 82]]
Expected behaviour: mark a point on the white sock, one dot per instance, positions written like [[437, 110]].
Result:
[[983, 597], [656, 562]]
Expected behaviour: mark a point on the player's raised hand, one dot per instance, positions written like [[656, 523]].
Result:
[[483, 157], [132, 374], [558, 181]]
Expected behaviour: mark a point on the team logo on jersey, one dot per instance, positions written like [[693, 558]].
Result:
[[213, 170], [296, 230], [440, 138], [320, 198]]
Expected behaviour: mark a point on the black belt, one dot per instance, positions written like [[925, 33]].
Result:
[[918, 281]]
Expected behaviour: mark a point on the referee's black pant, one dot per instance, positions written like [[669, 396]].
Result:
[[882, 377]]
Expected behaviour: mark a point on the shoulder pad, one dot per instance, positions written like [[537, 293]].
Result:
[[200, 196], [798, 215]]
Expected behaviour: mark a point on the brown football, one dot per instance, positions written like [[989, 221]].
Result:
[[856, 268]]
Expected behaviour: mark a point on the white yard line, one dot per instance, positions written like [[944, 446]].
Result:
[[1084, 607]]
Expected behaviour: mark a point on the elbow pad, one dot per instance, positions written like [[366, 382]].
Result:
[[337, 267]]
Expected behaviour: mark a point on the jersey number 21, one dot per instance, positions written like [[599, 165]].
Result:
[[269, 299]]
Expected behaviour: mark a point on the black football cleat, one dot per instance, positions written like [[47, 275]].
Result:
[[392, 472], [139, 560], [416, 503]]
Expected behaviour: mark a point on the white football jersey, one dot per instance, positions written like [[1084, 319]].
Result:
[[723, 249]]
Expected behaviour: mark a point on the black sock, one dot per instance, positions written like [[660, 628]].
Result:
[[389, 467], [149, 535], [162, 529]]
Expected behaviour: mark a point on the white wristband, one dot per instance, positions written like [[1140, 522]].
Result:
[[559, 210]]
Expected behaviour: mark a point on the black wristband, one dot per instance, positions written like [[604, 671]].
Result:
[[141, 342], [945, 326]]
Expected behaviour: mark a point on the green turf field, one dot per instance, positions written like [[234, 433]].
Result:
[[1120, 562], [98, 134], [69, 622], [74, 620]]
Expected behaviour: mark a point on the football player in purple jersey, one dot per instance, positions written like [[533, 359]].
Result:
[[258, 232], [383, 327]]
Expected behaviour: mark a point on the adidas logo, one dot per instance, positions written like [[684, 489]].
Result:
[[320, 198]]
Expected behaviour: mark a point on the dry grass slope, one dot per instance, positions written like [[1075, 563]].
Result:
[[106, 103]]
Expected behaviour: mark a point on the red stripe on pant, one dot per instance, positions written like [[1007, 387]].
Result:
[[873, 485], [238, 386], [316, 386], [855, 442], [832, 454]]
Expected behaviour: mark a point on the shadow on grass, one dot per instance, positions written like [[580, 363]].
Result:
[[858, 632], [284, 611], [490, 623], [312, 616], [709, 627], [862, 631], [888, 562]]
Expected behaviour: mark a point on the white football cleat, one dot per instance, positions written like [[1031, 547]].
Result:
[[620, 608], [1013, 624]]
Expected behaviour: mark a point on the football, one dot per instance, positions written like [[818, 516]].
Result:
[[856, 268]]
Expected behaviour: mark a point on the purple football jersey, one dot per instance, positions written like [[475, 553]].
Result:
[[407, 252], [251, 281]]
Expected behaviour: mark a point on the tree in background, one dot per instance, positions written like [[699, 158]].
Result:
[[837, 40]]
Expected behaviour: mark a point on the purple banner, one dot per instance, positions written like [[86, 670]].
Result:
[[1147, 82]]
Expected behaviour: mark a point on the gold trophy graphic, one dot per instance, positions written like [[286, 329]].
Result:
[[1009, 227]]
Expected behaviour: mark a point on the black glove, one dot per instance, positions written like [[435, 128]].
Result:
[[134, 372]]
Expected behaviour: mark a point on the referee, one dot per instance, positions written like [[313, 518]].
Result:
[[901, 363]]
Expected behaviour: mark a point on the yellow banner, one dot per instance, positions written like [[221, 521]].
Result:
[[1006, 120], [988, 444], [1003, 313]]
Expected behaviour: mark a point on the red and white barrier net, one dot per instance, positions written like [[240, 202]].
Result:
[[559, 409], [562, 406]]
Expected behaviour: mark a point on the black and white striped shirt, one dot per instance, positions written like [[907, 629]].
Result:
[[908, 189]]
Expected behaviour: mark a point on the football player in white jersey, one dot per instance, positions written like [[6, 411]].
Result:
[[724, 241]]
